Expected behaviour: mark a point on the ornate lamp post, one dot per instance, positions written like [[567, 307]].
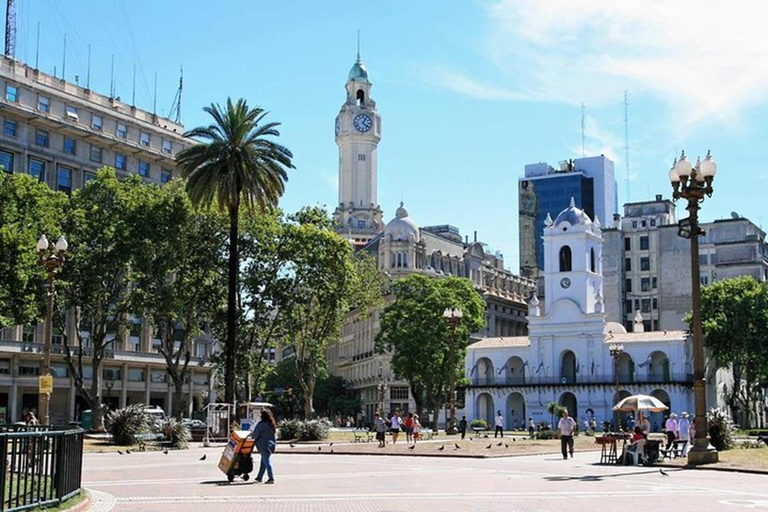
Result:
[[453, 317], [692, 183], [51, 259], [617, 349]]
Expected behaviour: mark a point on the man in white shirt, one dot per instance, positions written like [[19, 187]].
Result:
[[671, 430], [499, 425], [566, 426]]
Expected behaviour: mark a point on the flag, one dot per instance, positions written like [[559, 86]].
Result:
[[539, 368], [593, 367], [644, 363]]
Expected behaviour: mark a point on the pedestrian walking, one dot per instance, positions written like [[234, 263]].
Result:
[[671, 430], [566, 426], [395, 425], [463, 426], [499, 425], [380, 426], [531, 427], [408, 427], [684, 430], [416, 428], [264, 438]]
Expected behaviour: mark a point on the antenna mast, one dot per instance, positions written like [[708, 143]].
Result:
[[10, 29], [583, 129], [176, 106], [626, 141]]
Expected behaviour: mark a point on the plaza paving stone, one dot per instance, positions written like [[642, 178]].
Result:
[[153, 481]]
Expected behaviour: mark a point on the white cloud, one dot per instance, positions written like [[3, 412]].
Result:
[[331, 179], [706, 60]]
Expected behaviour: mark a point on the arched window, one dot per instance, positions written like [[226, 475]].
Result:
[[592, 259], [565, 259], [360, 97]]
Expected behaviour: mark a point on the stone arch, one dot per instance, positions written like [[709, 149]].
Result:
[[657, 418], [568, 400], [566, 264], [515, 417], [485, 371], [515, 371], [484, 408], [614, 415], [658, 367], [626, 367], [360, 97], [568, 367]]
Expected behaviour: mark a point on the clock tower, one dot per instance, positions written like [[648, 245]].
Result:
[[358, 132]]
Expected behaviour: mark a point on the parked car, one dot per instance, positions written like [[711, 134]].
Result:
[[192, 423], [157, 414]]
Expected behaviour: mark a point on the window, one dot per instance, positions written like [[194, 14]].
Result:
[[634, 223], [653, 283], [201, 350], [111, 374], [72, 113], [11, 93], [703, 259], [646, 305], [144, 139], [646, 325], [628, 285], [95, 154], [655, 303], [69, 146], [43, 104], [41, 138], [166, 146], [135, 375], [88, 176], [361, 224], [96, 122], [627, 244], [158, 376], [26, 371], [120, 161], [58, 336], [60, 371], [165, 176], [644, 243], [64, 179], [37, 169], [565, 259], [642, 223], [28, 336], [9, 128], [398, 393], [653, 222], [645, 263], [592, 266], [143, 168], [6, 160], [361, 158], [628, 306], [122, 131], [627, 264], [645, 284], [704, 279], [637, 304], [5, 366]]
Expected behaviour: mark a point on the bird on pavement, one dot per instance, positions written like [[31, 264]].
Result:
[[120, 452], [412, 447], [319, 448], [470, 439], [292, 445], [500, 443], [457, 446], [514, 440], [165, 451], [489, 446], [506, 445], [663, 472], [330, 444], [441, 448], [128, 452], [203, 457]]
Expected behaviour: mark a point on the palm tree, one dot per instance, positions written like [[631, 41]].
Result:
[[236, 165]]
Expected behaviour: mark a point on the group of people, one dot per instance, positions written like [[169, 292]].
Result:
[[395, 424]]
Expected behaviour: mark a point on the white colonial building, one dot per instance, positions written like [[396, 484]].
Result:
[[571, 355]]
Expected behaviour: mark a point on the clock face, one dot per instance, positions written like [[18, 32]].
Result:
[[363, 123], [338, 126], [565, 282]]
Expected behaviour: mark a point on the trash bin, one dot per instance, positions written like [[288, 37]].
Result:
[[86, 417]]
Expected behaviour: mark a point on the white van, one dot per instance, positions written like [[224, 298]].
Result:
[[157, 414]]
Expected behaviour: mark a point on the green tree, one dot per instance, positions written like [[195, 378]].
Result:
[[28, 209], [412, 328], [96, 277], [734, 318], [238, 165], [178, 274]]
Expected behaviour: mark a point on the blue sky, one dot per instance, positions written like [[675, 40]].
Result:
[[469, 91]]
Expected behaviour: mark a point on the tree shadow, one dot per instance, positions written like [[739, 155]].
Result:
[[225, 483], [596, 478]]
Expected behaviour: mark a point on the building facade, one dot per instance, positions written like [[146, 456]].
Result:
[[62, 133], [544, 190], [567, 356]]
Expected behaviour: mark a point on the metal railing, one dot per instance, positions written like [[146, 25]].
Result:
[[550, 380], [41, 466]]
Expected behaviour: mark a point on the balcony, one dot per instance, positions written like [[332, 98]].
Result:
[[675, 378]]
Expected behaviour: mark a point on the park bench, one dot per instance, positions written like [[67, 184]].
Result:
[[363, 436]]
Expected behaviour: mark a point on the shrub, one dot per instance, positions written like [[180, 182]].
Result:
[[175, 432], [312, 430], [479, 422], [127, 424], [750, 445], [547, 434], [721, 429]]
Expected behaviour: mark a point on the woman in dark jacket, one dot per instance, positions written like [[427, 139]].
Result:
[[264, 436]]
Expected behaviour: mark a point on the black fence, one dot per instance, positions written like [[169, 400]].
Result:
[[43, 466]]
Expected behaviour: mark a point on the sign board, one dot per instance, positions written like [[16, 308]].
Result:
[[46, 384]]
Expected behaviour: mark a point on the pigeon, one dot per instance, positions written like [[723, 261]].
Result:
[[514, 440], [292, 445], [506, 445], [441, 448], [330, 444], [120, 452], [470, 439], [203, 457], [489, 446], [319, 448], [128, 452], [331, 450], [412, 447], [500, 443], [165, 451], [457, 446], [763, 439], [664, 473]]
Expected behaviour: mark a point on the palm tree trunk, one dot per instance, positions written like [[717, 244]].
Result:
[[229, 370]]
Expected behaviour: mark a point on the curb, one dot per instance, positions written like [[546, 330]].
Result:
[[85, 504], [714, 468], [452, 455]]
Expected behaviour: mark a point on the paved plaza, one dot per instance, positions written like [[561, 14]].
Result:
[[179, 481]]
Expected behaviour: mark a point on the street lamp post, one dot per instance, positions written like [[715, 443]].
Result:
[[51, 259], [692, 183], [617, 349], [453, 317]]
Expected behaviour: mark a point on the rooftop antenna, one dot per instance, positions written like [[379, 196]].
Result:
[[64, 60], [358, 44], [176, 106], [626, 142], [112, 78], [37, 47], [10, 29], [133, 96], [88, 74], [154, 103], [583, 129]]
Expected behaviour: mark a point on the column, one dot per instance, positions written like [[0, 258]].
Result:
[[124, 388], [148, 384], [190, 393], [71, 395], [13, 399]]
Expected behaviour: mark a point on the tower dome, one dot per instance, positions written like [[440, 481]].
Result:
[[573, 215], [358, 73], [402, 228]]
